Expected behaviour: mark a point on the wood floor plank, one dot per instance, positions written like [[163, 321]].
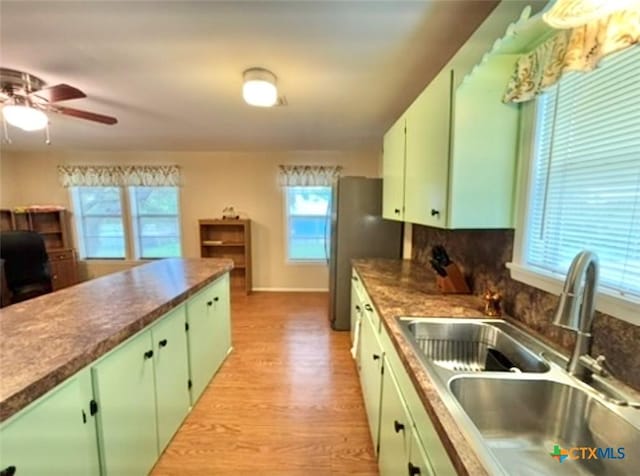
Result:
[[287, 401]]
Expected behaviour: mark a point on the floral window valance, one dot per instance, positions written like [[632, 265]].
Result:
[[119, 175], [579, 49], [309, 175]]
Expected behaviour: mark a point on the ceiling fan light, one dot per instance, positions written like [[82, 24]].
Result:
[[25, 117], [574, 13], [259, 88]]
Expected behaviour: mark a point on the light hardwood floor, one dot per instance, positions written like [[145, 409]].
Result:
[[286, 402]]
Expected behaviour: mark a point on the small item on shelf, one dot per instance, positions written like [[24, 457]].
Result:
[[228, 213], [212, 242], [492, 303]]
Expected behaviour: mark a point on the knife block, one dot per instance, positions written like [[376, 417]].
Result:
[[453, 282]]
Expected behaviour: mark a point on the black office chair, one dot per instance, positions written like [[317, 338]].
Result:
[[26, 264]]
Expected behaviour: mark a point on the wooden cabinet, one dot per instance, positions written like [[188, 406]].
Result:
[[460, 152], [6, 220], [171, 367], [393, 184], [371, 359], [125, 392], [229, 239], [209, 333], [395, 428], [64, 269], [55, 435]]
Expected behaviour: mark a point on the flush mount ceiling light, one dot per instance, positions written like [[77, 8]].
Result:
[[259, 88], [575, 13], [24, 116]]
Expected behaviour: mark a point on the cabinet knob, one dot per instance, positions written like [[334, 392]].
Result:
[[216, 299], [355, 278], [413, 470], [209, 303], [8, 471], [435, 212], [397, 426], [368, 307], [358, 308], [148, 354], [376, 356], [163, 343], [397, 211]]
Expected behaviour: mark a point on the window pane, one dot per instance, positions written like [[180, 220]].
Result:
[[100, 201], [103, 226], [98, 215], [104, 247], [308, 223], [156, 221]]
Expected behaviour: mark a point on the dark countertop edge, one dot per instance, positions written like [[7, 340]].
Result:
[[29, 394], [460, 462]]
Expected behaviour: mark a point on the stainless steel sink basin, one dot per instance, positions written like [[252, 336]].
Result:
[[522, 420], [473, 347], [514, 412]]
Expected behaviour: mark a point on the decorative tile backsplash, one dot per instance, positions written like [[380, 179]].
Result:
[[482, 255]]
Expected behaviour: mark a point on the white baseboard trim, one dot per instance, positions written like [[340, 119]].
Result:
[[291, 290]]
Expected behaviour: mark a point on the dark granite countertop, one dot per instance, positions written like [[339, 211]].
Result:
[[46, 340], [402, 288]]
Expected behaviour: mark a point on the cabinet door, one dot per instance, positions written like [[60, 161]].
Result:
[[395, 428], [171, 368], [54, 436], [209, 333], [427, 169], [393, 162], [418, 461], [371, 376], [125, 392], [63, 273], [356, 305]]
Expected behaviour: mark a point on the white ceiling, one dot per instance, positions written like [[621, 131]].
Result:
[[171, 72]]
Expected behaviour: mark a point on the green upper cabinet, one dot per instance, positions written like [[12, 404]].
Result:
[[393, 172], [124, 387], [427, 154], [461, 149], [209, 336], [56, 435], [171, 369]]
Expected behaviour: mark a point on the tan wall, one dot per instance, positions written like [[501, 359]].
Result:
[[212, 180]]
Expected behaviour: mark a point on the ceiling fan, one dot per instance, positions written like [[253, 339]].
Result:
[[25, 98]]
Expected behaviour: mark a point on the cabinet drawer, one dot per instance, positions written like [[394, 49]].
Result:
[[60, 255]]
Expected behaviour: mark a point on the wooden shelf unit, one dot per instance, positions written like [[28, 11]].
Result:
[[229, 239], [55, 228]]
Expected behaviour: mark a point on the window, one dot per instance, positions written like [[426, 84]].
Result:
[[99, 220], [584, 178], [308, 223], [156, 223], [110, 222]]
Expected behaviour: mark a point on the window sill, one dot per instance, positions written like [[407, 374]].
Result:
[[627, 309]]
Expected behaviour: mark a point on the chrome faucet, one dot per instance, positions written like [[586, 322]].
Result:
[[575, 312]]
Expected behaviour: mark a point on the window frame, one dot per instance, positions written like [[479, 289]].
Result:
[[608, 302], [324, 261], [128, 217]]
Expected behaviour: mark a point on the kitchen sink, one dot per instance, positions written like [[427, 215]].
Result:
[[522, 420], [473, 347], [515, 402]]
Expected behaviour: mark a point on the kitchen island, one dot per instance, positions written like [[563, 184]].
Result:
[[84, 335]]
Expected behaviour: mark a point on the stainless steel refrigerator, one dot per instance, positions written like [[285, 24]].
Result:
[[357, 231]]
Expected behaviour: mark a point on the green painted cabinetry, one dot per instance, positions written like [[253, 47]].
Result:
[[393, 172], [370, 367], [209, 333], [356, 307], [419, 464], [55, 435], [125, 391], [171, 367], [460, 152]]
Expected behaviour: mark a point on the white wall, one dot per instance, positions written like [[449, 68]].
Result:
[[212, 180]]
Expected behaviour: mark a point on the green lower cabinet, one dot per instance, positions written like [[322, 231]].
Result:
[[419, 464], [171, 373], [396, 428], [54, 436], [124, 388], [371, 375], [209, 333]]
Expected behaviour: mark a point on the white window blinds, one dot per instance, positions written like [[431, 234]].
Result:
[[585, 185]]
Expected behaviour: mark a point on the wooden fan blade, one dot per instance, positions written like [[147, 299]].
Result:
[[90, 116], [59, 92]]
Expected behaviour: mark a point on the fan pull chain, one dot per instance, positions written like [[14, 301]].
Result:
[[6, 139], [47, 138]]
